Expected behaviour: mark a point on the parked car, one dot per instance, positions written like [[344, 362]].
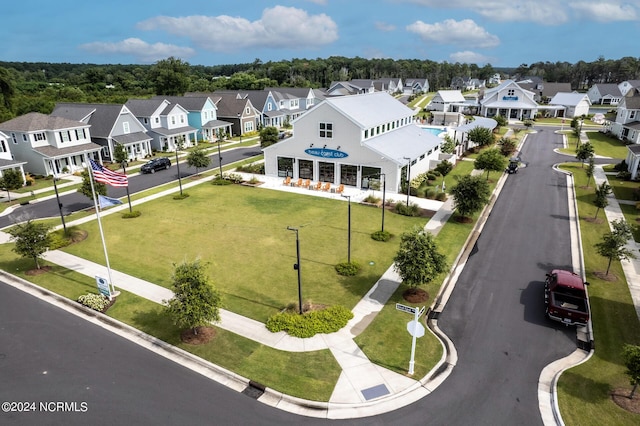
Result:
[[565, 297], [161, 163]]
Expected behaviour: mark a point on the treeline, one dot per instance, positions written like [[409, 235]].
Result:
[[37, 86]]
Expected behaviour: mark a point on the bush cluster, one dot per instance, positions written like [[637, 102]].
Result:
[[381, 236], [407, 210], [131, 214], [347, 269], [309, 324], [257, 168], [94, 301]]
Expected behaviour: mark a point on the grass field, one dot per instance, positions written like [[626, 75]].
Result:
[[584, 390]]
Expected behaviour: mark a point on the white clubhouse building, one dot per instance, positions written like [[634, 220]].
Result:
[[351, 140]]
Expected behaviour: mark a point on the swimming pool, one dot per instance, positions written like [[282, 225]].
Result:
[[434, 130]]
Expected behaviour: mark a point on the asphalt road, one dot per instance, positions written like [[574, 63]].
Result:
[[76, 201]]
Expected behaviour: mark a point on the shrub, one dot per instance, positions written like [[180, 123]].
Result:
[[626, 175], [347, 269], [431, 193], [221, 181], [131, 215], [621, 166], [431, 176], [309, 324], [257, 168], [406, 210], [441, 196], [181, 196], [94, 301], [381, 236], [371, 199], [58, 241]]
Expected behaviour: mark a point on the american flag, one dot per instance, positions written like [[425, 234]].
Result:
[[104, 175]]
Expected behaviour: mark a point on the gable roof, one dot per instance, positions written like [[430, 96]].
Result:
[[573, 99], [370, 109], [144, 107], [609, 89], [632, 102], [35, 121], [451, 95], [550, 89], [101, 117], [190, 103]]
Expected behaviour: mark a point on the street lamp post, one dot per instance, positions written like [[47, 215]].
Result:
[[348, 197], [55, 188], [296, 266], [240, 126], [384, 191], [408, 178], [579, 133], [219, 157]]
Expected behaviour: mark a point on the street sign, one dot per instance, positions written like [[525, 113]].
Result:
[[415, 329], [103, 287], [405, 308]]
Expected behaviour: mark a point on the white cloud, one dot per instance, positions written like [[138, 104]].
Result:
[[469, 57], [465, 33], [279, 27], [140, 49], [381, 26], [605, 12], [321, 2], [547, 12]]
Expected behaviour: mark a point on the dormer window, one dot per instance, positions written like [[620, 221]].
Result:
[[326, 130]]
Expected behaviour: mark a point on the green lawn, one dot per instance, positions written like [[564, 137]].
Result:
[[241, 232], [583, 391]]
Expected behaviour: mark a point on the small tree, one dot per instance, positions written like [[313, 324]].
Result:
[[268, 136], [32, 240], [613, 244], [601, 200], [490, 160], [584, 152], [10, 181], [120, 155], [470, 194], [590, 170], [444, 167], [481, 136], [85, 188], [195, 302], [198, 158], [631, 355], [507, 146], [418, 260], [449, 145]]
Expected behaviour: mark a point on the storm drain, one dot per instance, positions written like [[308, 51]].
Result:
[[255, 390], [375, 392]]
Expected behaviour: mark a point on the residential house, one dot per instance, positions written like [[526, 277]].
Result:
[[202, 114], [446, 101], [627, 124], [604, 94], [633, 161], [626, 86], [415, 85], [495, 79], [389, 85], [351, 140], [466, 84], [237, 109], [48, 144], [6, 159], [353, 87], [111, 124], [166, 123], [508, 100], [570, 105], [543, 90]]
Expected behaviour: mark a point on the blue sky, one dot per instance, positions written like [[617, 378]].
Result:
[[504, 33]]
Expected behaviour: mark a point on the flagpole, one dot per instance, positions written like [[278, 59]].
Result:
[[95, 203]]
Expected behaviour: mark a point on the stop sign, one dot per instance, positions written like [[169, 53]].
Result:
[[415, 329]]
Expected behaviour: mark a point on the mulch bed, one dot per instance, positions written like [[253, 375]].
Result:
[[621, 397], [204, 335], [593, 220], [415, 295], [605, 277], [42, 270]]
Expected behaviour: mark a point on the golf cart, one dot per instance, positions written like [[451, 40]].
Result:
[[513, 165]]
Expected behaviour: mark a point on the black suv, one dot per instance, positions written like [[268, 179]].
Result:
[[161, 163]]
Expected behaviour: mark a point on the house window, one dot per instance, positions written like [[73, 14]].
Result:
[[64, 136], [326, 130], [80, 134], [247, 111], [285, 166], [125, 127], [173, 121], [157, 120], [326, 172], [305, 169], [182, 119], [13, 137], [366, 133], [269, 107], [511, 92], [632, 114], [25, 138], [40, 136], [145, 120], [348, 174]]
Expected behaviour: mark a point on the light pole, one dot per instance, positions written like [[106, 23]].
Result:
[[219, 157], [384, 191], [179, 141], [240, 126], [348, 197], [296, 266], [55, 187], [408, 178]]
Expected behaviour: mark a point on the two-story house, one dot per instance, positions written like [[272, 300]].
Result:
[[446, 101], [570, 105], [628, 85], [48, 144], [111, 124], [167, 123], [508, 100], [604, 94], [202, 115], [415, 85], [350, 140], [6, 159], [627, 124]]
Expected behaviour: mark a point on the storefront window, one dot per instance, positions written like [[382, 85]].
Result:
[[348, 174], [285, 166], [369, 174], [326, 172], [305, 169]]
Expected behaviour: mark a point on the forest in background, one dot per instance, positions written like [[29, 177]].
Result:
[[37, 86]]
